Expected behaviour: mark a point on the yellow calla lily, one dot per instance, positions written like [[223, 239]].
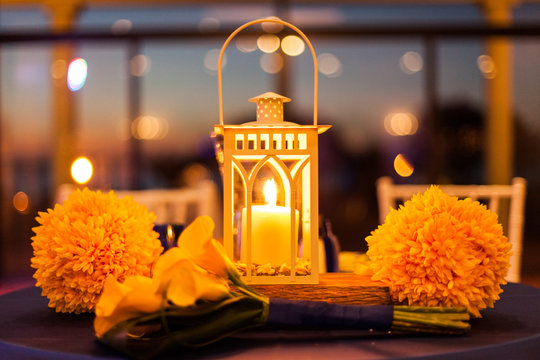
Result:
[[163, 272], [113, 292], [120, 302], [196, 242], [197, 269], [190, 283], [177, 277]]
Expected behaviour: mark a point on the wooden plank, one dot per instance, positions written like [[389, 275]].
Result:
[[338, 288]]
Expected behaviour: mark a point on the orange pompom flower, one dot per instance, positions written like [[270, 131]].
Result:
[[85, 239], [437, 250]]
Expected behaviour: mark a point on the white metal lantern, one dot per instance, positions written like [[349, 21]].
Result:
[[270, 180]]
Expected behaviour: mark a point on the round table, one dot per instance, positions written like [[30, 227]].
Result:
[[511, 330]]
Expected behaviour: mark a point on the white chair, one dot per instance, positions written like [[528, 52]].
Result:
[[390, 194], [172, 206], [179, 206]]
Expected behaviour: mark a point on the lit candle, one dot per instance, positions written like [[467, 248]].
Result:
[[270, 229]]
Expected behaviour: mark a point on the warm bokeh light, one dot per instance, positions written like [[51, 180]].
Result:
[[487, 67], [292, 45], [139, 65], [402, 166], [77, 71], [58, 68], [121, 26], [329, 65], [211, 61], [21, 202], [268, 43], [411, 62], [246, 44], [149, 128], [400, 124], [270, 27], [81, 170], [209, 24], [271, 63]]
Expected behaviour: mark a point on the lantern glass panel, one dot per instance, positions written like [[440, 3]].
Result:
[[252, 141], [239, 141], [289, 141], [277, 142], [265, 141], [302, 141]]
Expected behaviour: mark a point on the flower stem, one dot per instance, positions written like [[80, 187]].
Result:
[[235, 278]]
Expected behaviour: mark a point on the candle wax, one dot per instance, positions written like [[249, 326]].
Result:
[[271, 234]]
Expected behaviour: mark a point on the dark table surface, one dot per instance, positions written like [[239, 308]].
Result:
[[30, 330]]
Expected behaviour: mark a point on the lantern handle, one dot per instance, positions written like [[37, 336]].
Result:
[[277, 21]]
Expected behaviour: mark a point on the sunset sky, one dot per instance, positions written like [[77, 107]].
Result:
[[180, 90]]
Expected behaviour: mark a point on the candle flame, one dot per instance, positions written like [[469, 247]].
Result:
[[270, 192], [170, 232], [170, 236]]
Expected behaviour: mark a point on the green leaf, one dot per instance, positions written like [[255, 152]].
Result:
[[185, 327]]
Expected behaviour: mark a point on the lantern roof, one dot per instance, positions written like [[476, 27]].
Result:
[[270, 114], [270, 108], [269, 95]]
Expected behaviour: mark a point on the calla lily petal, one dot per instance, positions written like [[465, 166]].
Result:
[[198, 233], [169, 259], [112, 293], [185, 283], [196, 240], [137, 300], [213, 258], [211, 288], [182, 289]]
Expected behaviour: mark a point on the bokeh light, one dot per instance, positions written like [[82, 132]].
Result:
[[292, 45], [402, 166], [121, 26], [268, 43], [77, 71], [211, 61], [209, 24], [411, 62], [329, 65], [271, 63], [58, 69], [400, 124], [81, 170], [194, 173], [487, 67], [21, 202], [149, 128], [139, 65], [271, 27], [246, 44]]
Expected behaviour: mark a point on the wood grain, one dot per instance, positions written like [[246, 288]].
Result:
[[339, 288]]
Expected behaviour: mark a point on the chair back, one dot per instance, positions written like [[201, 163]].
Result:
[[390, 194], [181, 205], [172, 206]]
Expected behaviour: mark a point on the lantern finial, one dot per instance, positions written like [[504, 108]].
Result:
[[269, 107]]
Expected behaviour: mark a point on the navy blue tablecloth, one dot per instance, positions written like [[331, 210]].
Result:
[[30, 330]]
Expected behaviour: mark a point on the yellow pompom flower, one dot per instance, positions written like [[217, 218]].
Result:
[[85, 239], [437, 250]]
